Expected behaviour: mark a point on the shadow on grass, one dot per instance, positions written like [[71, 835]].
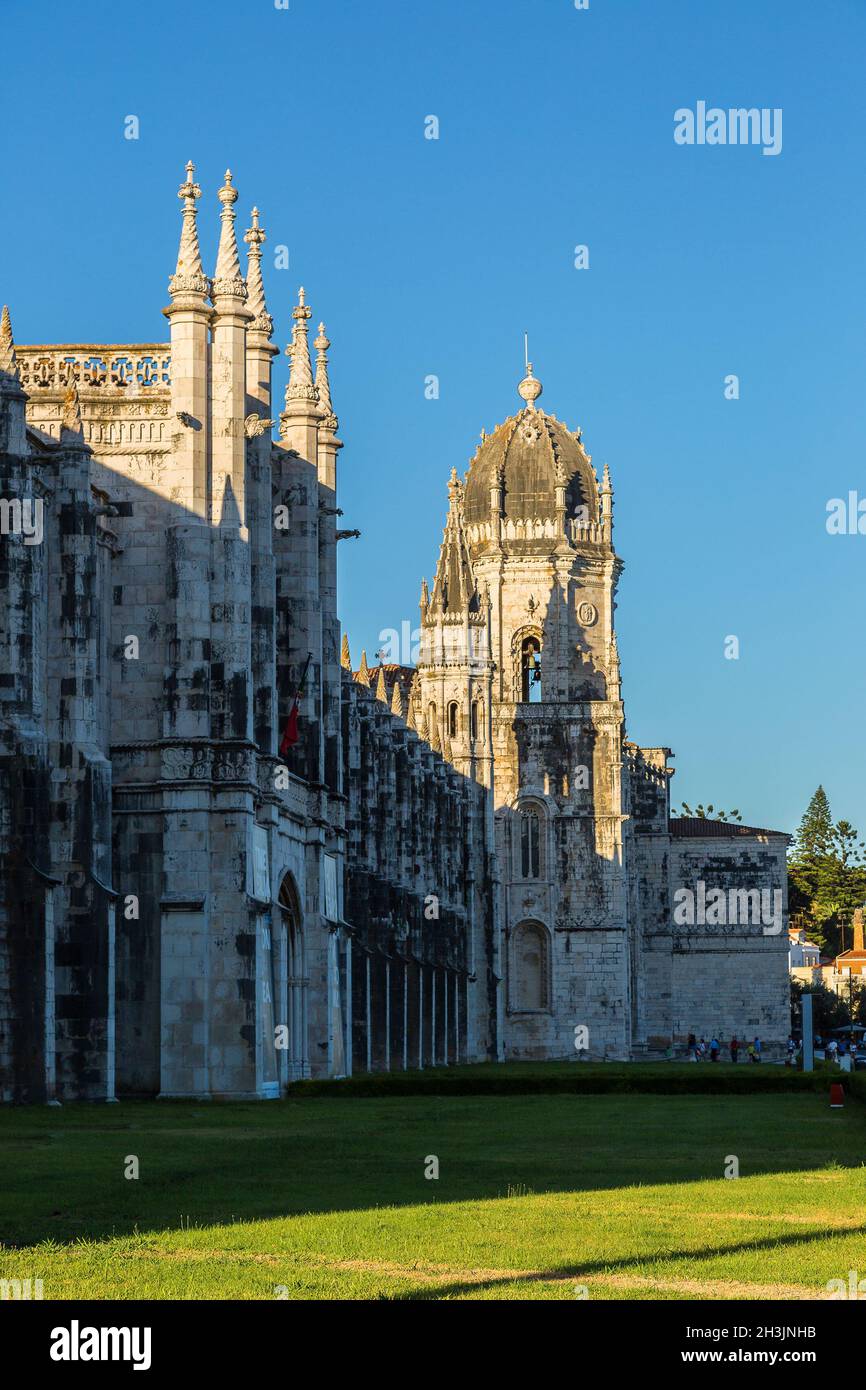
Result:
[[63, 1174], [586, 1269]]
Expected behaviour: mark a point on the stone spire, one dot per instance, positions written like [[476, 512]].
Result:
[[381, 687], [254, 238], [300, 387], [607, 504], [433, 738], [613, 669], [300, 420], [8, 360], [454, 586], [323, 385], [362, 675], [414, 704], [228, 280], [345, 656], [397, 699], [189, 277], [13, 422]]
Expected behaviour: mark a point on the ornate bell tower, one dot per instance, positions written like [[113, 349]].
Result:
[[528, 564]]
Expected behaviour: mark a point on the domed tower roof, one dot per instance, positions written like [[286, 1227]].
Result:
[[515, 475]]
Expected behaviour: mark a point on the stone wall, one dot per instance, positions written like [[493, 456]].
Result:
[[418, 896]]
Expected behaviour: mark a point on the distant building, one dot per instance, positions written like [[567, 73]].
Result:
[[853, 962], [802, 954]]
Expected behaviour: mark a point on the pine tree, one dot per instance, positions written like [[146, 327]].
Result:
[[826, 874], [814, 837]]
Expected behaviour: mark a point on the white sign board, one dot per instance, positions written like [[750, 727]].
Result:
[[330, 901], [261, 874]]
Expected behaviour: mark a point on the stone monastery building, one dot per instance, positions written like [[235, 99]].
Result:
[[229, 861]]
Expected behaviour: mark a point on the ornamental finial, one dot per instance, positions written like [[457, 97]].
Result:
[[323, 383], [189, 276], [301, 386], [255, 238], [530, 387], [455, 489], [228, 280]]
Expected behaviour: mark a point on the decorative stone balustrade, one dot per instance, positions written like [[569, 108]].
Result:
[[133, 368]]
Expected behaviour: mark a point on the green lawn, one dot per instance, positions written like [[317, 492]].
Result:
[[539, 1196]]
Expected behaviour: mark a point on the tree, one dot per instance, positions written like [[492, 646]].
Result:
[[826, 874], [814, 836], [702, 812], [829, 1010], [844, 884]]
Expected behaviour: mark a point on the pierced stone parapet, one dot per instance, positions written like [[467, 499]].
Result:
[[140, 367]]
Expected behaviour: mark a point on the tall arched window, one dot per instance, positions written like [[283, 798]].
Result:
[[530, 857], [296, 980], [530, 967], [475, 718], [452, 719], [530, 670]]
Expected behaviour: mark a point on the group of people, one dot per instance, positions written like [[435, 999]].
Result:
[[832, 1049], [700, 1049]]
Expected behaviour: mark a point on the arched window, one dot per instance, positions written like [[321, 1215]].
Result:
[[530, 973], [530, 856], [530, 670], [452, 719], [475, 718], [295, 988]]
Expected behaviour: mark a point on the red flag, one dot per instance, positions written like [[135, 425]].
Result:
[[290, 732]]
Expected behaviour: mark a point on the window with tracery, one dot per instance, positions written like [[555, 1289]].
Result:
[[530, 856]]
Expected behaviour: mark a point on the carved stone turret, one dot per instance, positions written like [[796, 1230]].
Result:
[[189, 319]]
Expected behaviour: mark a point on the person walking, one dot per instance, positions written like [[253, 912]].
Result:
[[735, 1047], [757, 1049], [691, 1045], [751, 1052], [714, 1049]]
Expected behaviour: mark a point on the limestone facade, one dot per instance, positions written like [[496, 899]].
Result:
[[228, 860], [173, 914]]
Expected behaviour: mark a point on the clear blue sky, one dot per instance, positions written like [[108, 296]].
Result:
[[556, 128]]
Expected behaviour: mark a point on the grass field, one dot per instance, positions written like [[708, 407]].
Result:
[[538, 1196]]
